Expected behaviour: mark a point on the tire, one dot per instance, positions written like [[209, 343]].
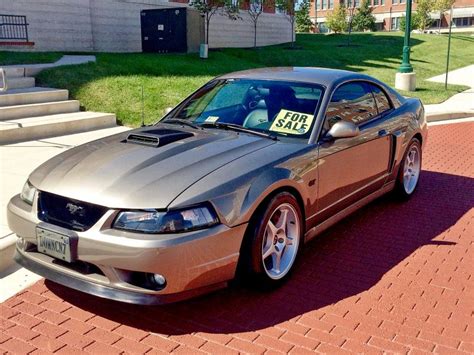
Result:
[[409, 171], [271, 247]]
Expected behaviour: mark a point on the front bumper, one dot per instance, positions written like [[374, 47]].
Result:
[[108, 260]]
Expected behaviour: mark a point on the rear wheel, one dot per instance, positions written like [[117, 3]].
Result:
[[273, 241], [410, 169]]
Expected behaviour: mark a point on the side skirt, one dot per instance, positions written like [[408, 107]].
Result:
[[318, 229]]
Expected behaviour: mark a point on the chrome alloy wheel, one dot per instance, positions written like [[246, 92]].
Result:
[[411, 169], [280, 241]]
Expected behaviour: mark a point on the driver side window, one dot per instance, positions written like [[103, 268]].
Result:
[[351, 102]]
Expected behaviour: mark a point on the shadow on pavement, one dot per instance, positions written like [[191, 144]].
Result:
[[345, 261]]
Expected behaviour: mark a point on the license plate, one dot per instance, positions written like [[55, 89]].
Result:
[[54, 244]]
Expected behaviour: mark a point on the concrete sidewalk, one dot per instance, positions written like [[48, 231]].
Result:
[[458, 106], [33, 69]]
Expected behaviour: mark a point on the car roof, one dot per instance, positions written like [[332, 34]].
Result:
[[323, 76]]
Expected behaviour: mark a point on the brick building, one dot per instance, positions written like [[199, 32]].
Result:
[[388, 13]]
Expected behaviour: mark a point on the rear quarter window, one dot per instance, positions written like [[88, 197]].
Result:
[[382, 101]]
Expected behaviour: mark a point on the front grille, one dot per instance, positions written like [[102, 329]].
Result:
[[68, 213]]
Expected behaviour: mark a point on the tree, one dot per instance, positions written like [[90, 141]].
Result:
[[208, 8], [442, 6], [363, 19], [336, 21], [256, 8], [415, 22], [287, 7], [423, 10], [303, 21]]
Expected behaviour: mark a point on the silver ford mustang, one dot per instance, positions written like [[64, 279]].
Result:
[[230, 182]]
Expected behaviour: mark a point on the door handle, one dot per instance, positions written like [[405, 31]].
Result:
[[382, 133]]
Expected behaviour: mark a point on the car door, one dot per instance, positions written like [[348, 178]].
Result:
[[351, 168]]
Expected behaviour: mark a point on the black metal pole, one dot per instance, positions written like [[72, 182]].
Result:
[[449, 48]]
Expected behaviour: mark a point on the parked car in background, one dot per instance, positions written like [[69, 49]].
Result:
[[233, 180]]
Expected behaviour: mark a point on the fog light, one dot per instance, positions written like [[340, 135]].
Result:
[[158, 280]]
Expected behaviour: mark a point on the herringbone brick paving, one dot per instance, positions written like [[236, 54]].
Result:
[[394, 277]]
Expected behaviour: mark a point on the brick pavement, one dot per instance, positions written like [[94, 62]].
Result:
[[395, 277]]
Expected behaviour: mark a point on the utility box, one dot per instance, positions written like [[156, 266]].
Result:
[[171, 30]]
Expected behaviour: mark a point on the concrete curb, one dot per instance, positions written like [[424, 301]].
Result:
[[442, 116]]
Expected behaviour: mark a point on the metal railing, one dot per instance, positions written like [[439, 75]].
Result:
[[13, 27], [3, 80]]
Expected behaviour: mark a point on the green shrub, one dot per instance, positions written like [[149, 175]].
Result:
[[336, 21]]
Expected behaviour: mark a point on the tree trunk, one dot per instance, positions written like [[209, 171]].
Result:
[[208, 20], [293, 32], [439, 22], [255, 33]]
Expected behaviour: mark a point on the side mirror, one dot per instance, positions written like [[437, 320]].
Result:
[[168, 110], [3, 80], [343, 129]]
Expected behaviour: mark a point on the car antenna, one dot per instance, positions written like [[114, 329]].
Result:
[[143, 108]]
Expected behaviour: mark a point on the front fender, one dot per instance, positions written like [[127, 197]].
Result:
[[236, 200], [236, 190]]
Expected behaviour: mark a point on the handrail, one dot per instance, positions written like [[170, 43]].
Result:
[[3, 76]]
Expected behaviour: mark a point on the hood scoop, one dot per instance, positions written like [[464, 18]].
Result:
[[156, 137]]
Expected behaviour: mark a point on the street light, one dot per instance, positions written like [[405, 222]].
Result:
[[405, 79]]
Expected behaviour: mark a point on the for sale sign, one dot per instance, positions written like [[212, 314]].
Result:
[[292, 122]]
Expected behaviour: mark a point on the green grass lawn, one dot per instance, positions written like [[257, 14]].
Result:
[[9, 58], [113, 84]]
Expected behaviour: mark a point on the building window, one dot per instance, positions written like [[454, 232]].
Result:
[[318, 4], [376, 2], [382, 2], [325, 4], [435, 23], [331, 4], [462, 21], [402, 1], [395, 23], [394, 2]]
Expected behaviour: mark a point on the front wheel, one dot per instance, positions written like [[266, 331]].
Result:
[[410, 170], [273, 241]]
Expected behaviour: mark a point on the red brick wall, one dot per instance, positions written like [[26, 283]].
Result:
[[382, 8]]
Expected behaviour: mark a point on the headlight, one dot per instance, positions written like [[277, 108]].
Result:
[[166, 222], [28, 193]]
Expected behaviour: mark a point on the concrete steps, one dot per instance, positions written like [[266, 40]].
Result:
[[33, 128], [20, 82], [32, 113], [40, 109], [32, 96], [14, 72]]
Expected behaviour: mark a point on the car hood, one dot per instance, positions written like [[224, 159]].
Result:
[[116, 173]]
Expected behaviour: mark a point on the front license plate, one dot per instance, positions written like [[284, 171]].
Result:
[[54, 244]]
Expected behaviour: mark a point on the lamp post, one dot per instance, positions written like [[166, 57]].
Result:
[[406, 67], [405, 79]]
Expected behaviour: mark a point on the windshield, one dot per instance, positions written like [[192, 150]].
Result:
[[273, 107]]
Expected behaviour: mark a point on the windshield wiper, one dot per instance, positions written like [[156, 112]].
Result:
[[180, 121], [238, 128]]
